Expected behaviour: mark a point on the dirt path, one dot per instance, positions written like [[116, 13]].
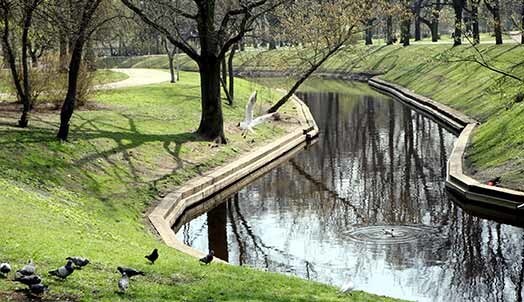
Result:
[[137, 77]]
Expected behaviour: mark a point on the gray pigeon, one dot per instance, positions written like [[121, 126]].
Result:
[[79, 262], [38, 289], [130, 272], [5, 268], [123, 283], [208, 258], [64, 271], [27, 280], [28, 269]]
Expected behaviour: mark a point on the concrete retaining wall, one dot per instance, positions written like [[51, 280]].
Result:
[[195, 191], [456, 180]]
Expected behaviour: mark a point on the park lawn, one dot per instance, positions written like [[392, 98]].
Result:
[[102, 76], [497, 147], [89, 197]]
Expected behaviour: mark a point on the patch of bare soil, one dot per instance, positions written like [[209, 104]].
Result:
[[24, 296]]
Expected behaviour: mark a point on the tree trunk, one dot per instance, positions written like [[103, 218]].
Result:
[[418, 34], [223, 71], [389, 30], [171, 58], [457, 34], [405, 31], [69, 103], [211, 122], [272, 44], [231, 74], [369, 32], [475, 21], [522, 24], [498, 23], [435, 19]]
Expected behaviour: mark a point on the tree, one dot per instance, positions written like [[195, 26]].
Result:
[[474, 12], [432, 18], [323, 28], [82, 29], [9, 11], [217, 25], [494, 8], [405, 22], [171, 52]]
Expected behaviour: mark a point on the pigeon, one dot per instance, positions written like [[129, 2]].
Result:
[[153, 256], [249, 122], [123, 283], [79, 262], [28, 269], [5, 268], [63, 271], [130, 272], [38, 289], [28, 280], [208, 258], [493, 182]]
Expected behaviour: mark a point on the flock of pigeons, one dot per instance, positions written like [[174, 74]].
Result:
[[27, 274]]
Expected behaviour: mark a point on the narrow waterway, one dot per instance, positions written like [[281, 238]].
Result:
[[367, 202]]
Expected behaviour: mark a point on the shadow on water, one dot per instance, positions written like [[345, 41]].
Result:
[[369, 200]]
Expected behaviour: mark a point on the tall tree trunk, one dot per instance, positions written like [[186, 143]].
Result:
[[405, 28], [69, 103], [494, 7], [389, 30], [522, 23], [223, 71], [418, 33], [369, 32], [211, 122], [458, 7], [435, 20], [272, 44], [231, 74], [171, 58], [475, 21]]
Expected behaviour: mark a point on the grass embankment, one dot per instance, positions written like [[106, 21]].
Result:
[[88, 197], [498, 144]]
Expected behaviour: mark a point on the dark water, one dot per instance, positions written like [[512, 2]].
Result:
[[377, 166]]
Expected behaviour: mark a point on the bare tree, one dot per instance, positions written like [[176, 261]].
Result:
[[217, 25], [9, 10], [458, 9]]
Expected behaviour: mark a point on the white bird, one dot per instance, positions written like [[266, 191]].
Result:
[[249, 122], [28, 270], [123, 283], [347, 287], [390, 233]]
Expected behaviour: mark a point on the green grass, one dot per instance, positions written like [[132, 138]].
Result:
[[89, 197]]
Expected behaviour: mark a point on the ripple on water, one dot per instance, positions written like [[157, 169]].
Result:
[[388, 234]]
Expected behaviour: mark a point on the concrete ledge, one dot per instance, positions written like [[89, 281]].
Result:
[[456, 180], [198, 189]]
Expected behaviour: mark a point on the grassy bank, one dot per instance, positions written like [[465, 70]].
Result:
[[88, 197], [441, 73]]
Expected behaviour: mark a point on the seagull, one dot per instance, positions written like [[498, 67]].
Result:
[[153, 256], [123, 283], [348, 287], [79, 262], [28, 280], [130, 272], [63, 271], [28, 269], [5, 268], [249, 122], [38, 289], [208, 258]]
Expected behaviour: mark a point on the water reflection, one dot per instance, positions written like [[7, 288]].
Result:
[[378, 165]]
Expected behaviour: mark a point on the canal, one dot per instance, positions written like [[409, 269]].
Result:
[[367, 202]]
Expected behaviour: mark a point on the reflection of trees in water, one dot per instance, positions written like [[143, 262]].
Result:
[[378, 162]]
